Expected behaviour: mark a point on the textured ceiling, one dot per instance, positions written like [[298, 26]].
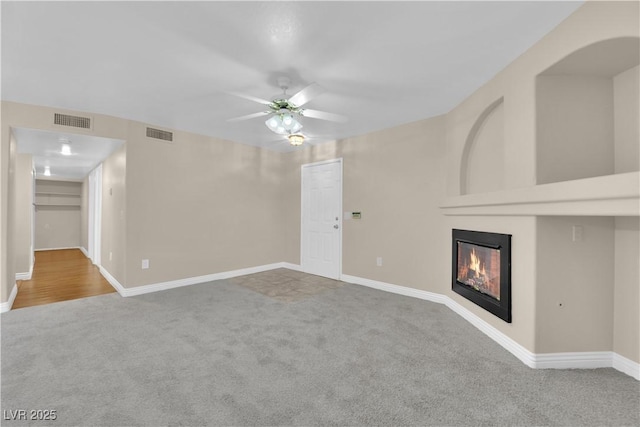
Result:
[[173, 64]]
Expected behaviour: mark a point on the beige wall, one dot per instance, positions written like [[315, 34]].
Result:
[[484, 165], [57, 217], [9, 214], [626, 303], [5, 272], [626, 87], [199, 206], [57, 228], [394, 177], [575, 284], [113, 250], [575, 127], [23, 211]]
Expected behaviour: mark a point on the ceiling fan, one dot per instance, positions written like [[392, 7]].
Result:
[[284, 109]]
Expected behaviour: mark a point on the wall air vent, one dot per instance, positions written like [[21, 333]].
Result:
[[73, 121], [160, 134]]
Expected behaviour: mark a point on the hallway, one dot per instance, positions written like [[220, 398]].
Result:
[[61, 275]]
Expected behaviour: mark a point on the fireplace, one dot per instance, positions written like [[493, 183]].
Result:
[[482, 270]]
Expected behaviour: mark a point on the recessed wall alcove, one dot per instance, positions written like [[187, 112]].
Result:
[[482, 162], [587, 113]]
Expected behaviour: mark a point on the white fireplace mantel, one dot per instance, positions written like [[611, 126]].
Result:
[[610, 195]]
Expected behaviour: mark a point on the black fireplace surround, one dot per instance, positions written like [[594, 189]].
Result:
[[481, 270]]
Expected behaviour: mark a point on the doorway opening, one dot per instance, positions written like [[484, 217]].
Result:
[[62, 211]]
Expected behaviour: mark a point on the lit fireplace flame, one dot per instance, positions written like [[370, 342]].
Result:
[[474, 265]]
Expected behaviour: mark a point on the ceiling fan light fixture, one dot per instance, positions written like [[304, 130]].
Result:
[[296, 139], [287, 120], [283, 111], [273, 123], [283, 124], [295, 127]]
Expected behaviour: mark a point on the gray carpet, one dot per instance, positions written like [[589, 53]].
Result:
[[222, 354]]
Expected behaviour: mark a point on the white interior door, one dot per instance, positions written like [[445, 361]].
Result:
[[95, 214], [321, 246]]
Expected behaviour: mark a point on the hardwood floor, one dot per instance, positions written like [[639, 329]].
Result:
[[61, 275]]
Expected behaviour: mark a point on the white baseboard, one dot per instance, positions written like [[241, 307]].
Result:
[[84, 251], [57, 249], [6, 306], [518, 350], [25, 276], [627, 366], [162, 286], [290, 266], [588, 360], [577, 360], [112, 281], [395, 289]]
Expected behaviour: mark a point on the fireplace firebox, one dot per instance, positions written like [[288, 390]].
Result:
[[482, 270]]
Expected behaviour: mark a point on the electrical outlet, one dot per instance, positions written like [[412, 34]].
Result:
[[145, 264], [379, 261], [110, 256]]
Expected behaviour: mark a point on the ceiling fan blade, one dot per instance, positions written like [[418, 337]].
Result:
[[306, 94], [249, 116], [251, 98], [315, 114]]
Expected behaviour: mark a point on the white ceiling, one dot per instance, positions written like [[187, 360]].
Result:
[[87, 152], [172, 64]]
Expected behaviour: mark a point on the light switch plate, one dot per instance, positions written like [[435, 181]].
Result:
[[577, 233]]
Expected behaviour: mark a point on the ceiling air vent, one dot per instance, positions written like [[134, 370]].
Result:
[[160, 134], [73, 121]]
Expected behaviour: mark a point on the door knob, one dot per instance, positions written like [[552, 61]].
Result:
[[336, 226]]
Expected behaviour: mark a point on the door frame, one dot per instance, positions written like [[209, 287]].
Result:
[[340, 215], [33, 220]]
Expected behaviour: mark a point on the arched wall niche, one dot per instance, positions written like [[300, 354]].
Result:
[[482, 162], [587, 113]]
